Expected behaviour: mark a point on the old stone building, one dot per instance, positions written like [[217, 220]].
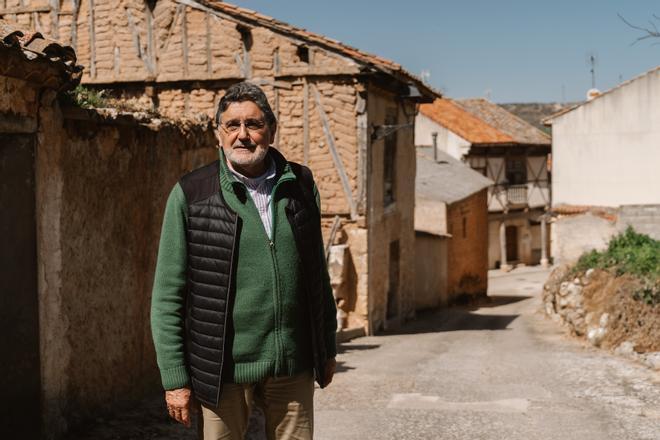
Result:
[[451, 230], [345, 113], [507, 150], [83, 195]]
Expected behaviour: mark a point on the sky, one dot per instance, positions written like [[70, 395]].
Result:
[[504, 50]]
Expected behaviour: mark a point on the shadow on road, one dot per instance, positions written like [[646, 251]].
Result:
[[453, 319], [497, 301]]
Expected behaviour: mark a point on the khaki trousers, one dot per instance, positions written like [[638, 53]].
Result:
[[287, 403]]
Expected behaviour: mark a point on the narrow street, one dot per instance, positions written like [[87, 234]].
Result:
[[498, 372], [502, 371]]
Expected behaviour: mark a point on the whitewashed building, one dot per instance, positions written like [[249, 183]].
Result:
[[606, 155]]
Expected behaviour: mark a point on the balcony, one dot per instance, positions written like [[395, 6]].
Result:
[[516, 194]]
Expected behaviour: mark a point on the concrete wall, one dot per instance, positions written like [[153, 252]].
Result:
[[574, 235], [448, 141], [605, 152], [102, 182], [467, 223], [394, 222], [430, 270], [644, 219]]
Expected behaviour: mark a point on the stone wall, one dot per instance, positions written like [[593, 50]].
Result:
[[103, 180], [467, 223], [394, 222]]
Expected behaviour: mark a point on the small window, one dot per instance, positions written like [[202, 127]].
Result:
[[464, 227], [393, 285], [302, 52], [516, 170], [246, 36]]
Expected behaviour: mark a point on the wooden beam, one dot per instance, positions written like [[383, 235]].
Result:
[[184, 39], [339, 165], [25, 9], [175, 20], [209, 55], [92, 40], [74, 23], [305, 122], [54, 19], [363, 145]]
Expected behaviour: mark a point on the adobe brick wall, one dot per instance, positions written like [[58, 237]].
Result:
[[102, 183], [468, 248]]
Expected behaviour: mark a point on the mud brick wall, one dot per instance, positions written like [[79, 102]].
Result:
[[467, 222], [103, 183]]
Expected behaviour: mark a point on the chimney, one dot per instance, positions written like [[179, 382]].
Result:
[[434, 135]]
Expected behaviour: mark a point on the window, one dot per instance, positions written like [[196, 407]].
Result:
[[464, 227], [302, 52], [389, 160], [516, 170], [246, 36]]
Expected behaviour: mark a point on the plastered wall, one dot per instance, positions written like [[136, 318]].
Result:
[[102, 184]]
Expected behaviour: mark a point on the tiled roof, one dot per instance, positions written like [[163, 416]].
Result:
[[461, 122], [30, 56], [448, 180], [506, 122], [378, 63]]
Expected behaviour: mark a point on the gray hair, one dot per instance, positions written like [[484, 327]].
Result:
[[246, 91]]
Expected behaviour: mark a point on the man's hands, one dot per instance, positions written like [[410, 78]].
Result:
[[330, 366], [179, 405]]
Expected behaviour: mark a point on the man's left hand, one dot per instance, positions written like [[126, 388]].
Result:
[[330, 366]]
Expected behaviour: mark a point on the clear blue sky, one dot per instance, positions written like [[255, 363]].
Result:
[[510, 50]]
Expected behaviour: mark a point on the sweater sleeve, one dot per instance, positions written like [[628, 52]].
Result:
[[330, 312], [168, 296]]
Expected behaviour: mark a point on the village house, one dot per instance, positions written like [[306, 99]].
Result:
[[346, 114], [605, 157], [510, 152], [451, 230]]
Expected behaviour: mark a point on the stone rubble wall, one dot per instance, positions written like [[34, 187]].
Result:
[[564, 302]]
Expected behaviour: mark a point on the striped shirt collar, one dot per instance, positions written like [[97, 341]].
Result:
[[256, 182]]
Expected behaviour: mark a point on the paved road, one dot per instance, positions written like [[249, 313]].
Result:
[[498, 372]]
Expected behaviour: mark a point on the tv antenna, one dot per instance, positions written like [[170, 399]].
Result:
[[592, 61]]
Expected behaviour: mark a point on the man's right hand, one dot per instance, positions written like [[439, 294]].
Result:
[[178, 405]]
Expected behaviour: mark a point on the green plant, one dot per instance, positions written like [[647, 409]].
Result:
[[83, 97], [632, 253]]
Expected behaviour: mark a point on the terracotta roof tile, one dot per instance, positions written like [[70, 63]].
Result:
[[458, 120], [44, 60], [506, 122]]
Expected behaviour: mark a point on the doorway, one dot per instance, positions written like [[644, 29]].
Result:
[[511, 244]]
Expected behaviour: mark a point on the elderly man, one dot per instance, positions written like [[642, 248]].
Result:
[[242, 310]]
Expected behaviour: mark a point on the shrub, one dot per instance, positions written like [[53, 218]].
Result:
[[632, 253]]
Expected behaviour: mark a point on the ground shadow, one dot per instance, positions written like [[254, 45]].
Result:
[[346, 347], [496, 301], [453, 319]]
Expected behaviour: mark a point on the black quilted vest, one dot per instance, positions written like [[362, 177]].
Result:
[[213, 230]]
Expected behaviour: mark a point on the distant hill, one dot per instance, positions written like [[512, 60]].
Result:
[[535, 112]]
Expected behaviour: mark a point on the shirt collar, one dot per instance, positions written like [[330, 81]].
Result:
[[255, 182]]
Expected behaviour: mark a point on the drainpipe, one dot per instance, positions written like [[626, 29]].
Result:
[[434, 135], [544, 242], [504, 266]]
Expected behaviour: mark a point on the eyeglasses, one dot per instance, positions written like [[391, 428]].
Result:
[[251, 125]]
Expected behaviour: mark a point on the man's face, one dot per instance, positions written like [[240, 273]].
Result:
[[245, 135]]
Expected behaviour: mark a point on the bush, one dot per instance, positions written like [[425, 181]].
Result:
[[631, 253]]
